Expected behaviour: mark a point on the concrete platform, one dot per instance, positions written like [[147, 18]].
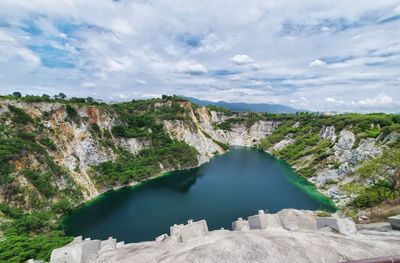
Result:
[[395, 222]]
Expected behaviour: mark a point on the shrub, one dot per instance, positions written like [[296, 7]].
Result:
[[19, 115], [45, 141], [42, 182], [119, 131], [71, 113]]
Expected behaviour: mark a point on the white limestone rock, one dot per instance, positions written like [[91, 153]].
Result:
[[328, 133], [283, 143]]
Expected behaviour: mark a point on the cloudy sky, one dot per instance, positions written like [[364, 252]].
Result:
[[341, 55]]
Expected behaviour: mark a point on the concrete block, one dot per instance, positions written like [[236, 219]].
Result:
[[258, 221], [161, 238], [108, 244], [85, 251], [303, 220], [175, 231], [192, 230], [120, 244], [240, 225], [344, 226], [264, 221], [395, 222]]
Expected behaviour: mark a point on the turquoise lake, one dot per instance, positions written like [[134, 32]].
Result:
[[235, 184]]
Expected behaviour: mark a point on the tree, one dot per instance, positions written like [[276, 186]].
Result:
[[17, 94], [383, 174], [89, 99], [61, 96]]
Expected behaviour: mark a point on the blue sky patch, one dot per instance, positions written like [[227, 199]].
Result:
[[52, 57]]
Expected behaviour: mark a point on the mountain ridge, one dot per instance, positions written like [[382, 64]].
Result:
[[250, 107]]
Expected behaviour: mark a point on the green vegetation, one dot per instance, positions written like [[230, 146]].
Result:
[[19, 116], [29, 235], [128, 168], [383, 175], [220, 109], [143, 120]]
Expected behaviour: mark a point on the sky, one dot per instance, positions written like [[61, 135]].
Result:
[[330, 55]]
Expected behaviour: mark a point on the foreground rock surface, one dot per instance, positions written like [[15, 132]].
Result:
[[272, 245], [288, 236]]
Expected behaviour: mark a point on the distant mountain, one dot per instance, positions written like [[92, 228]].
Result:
[[241, 106]]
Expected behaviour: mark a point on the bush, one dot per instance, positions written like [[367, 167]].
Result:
[[19, 115], [45, 141], [72, 113], [42, 182], [119, 131], [95, 129]]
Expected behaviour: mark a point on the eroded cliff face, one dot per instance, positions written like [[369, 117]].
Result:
[[77, 145], [239, 134]]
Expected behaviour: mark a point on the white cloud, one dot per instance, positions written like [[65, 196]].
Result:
[[191, 68], [148, 42], [329, 99], [317, 63], [380, 99], [396, 10], [141, 81], [241, 60]]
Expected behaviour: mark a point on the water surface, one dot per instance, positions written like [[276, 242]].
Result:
[[235, 184]]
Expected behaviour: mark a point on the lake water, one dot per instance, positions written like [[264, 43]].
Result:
[[235, 184]]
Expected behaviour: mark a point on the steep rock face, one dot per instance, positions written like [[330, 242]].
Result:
[[345, 143], [77, 146], [193, 136], [243, 136], [239, 134], [133, 145]]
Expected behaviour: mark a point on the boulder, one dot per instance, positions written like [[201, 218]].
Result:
[[303, 220]]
